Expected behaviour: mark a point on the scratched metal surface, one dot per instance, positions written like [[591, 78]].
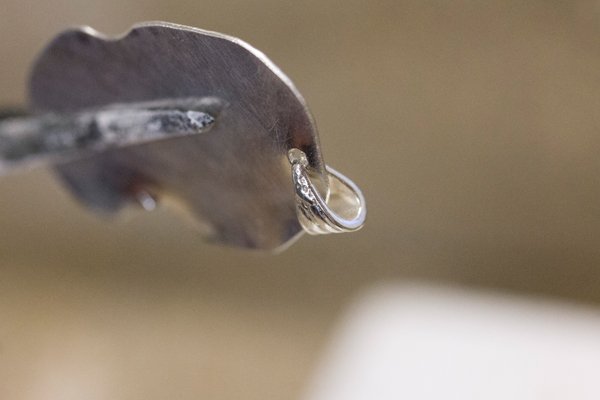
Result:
[[235, 179], [52, 139]]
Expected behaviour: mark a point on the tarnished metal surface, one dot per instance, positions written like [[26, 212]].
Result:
[[27, 141], [236, 178]]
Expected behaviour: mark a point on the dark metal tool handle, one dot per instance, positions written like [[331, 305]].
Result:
[[31, 140]]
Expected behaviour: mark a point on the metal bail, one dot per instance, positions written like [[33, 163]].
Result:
[[315, 212]]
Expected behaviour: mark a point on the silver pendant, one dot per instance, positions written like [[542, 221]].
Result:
[[195, 118]]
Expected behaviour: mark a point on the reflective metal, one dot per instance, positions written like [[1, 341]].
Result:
[[342, 209], [236, 177], [57, 138]]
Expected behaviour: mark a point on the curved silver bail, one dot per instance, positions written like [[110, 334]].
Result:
[[316, 213]]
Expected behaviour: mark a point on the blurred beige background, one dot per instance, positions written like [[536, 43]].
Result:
[[472, 127]]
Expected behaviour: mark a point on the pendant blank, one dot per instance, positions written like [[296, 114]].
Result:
[[235, 177]]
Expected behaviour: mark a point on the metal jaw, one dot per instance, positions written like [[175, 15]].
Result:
[[167, 111]]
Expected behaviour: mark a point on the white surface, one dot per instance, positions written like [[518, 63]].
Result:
[[425, 343]]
